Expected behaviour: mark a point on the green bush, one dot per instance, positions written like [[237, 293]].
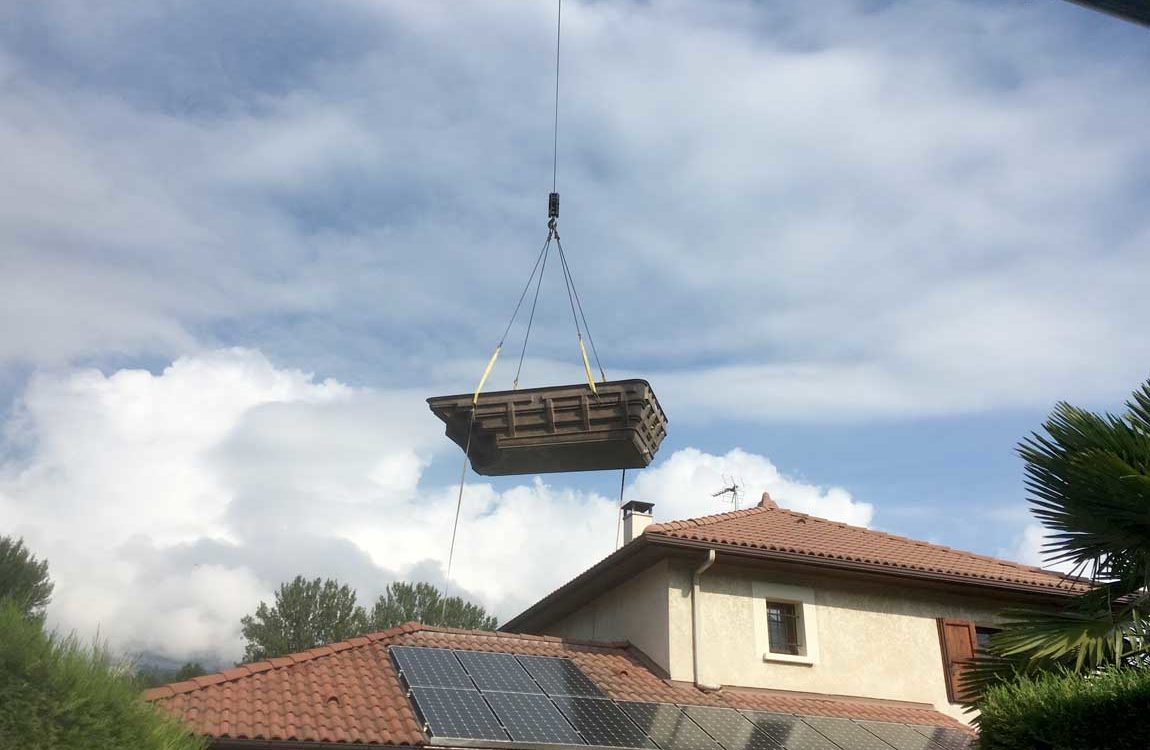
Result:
[[1109, 709], [58, 694]]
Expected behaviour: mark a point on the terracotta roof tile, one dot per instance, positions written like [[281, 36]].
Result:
[[349, 692], [773, 529]]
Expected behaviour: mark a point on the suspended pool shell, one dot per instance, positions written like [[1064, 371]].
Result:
[[563, 428]]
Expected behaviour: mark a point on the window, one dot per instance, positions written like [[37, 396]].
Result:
[[982, 638], [786, 629], [782, 628]]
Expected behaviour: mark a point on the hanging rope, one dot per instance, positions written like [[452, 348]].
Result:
[[458, 508], [531, 317], [514, 314], [573, 292], [619, 510]]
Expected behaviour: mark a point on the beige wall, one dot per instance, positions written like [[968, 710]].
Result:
[[873, 641], [634, 611]]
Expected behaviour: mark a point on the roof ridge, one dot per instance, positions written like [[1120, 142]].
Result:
[[278, 662], [686, 523], [288, 660], [712, 519], [935, 545]]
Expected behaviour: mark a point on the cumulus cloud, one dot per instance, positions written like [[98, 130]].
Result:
[[169, 503]]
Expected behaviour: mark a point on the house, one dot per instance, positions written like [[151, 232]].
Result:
[[759, 628]]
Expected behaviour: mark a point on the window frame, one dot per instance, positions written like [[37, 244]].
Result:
[[802, 599], [788, 621]]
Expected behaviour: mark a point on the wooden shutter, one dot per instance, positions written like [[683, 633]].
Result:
[[958, 646]]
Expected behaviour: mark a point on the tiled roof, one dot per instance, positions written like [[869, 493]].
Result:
[[776, 530], [350, 693]]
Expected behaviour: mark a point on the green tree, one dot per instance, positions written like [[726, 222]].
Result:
[[305, 614], [188, 671], [421, 602], [23, 579], [56, 694], [153, 677], [1089, 482]]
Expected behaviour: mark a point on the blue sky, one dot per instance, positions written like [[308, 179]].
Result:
[[859, 249]]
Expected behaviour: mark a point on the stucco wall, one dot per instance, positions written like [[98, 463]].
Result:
[[635, 611], [875, 642]]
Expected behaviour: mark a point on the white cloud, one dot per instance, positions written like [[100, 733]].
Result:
[[169, 503], [682, 487], [1028, 549]]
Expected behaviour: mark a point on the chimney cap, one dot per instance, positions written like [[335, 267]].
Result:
[[637, 506], [767, 502]]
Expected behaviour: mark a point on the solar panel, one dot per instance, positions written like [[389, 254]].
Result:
[[899, 736], [789, 731], [497, 672], [845, 733], [601, 722], [430, 667], [946, 737], [456, 714], [733, 730], [668, 726], [532, 718], [559, 676]]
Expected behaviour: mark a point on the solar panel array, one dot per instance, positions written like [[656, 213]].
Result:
[[480, 697]]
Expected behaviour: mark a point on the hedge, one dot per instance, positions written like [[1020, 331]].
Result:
[[57, 693], [1106, 710]]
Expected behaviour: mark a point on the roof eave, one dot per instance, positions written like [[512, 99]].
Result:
[[228, 743], [651, 547], [830, 563]]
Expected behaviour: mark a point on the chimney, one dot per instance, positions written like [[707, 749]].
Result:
[[767, 502], [636, 518]]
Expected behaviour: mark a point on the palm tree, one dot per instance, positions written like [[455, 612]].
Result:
[[1088, 478]]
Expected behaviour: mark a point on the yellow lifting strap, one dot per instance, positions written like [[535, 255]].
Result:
[[486, 372], [587, 366]]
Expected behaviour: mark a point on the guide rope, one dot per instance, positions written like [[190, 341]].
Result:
[[458, 508]]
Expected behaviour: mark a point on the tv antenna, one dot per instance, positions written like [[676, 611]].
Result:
[[731, 493]]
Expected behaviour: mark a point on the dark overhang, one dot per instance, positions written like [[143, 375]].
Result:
[[1136, 11]]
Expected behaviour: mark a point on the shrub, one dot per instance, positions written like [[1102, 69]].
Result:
[[1063, 711], [57, 693]]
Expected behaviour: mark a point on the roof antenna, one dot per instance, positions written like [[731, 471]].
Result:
[[732, 493]]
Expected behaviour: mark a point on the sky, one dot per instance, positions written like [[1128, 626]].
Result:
[[859, 248]]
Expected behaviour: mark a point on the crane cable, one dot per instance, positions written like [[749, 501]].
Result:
[[536, 277], [578, 314]]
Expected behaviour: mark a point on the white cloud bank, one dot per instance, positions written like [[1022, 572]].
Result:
[[169, 503]]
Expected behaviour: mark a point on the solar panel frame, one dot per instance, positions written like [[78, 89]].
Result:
[[845, 733], [496, 672], [789, 730], [559, 676], [532, 717], [448, 713], [430, 667], [948, 738], [898, 736], [602, 723], [668, 726], [730, 728]]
